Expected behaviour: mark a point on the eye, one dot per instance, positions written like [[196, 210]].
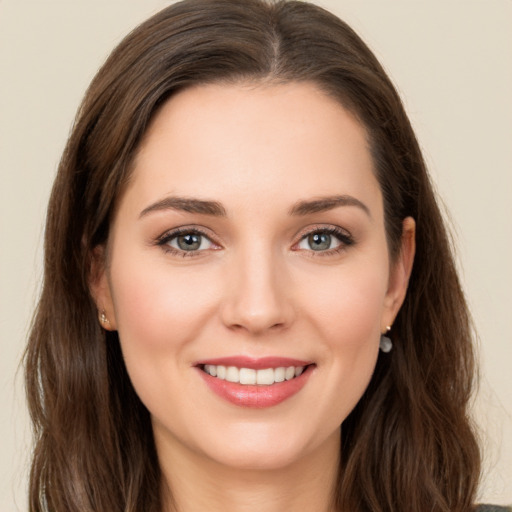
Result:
[[319, 242], [185, 242], [329, 240]]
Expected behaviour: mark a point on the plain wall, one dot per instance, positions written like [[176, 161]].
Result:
[[452, 62]]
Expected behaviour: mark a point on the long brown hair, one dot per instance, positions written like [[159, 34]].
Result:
[[408, 444]]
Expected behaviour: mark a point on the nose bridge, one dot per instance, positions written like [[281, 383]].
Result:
[[257, 299]]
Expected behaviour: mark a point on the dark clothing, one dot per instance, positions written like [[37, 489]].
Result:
[[493, 508]]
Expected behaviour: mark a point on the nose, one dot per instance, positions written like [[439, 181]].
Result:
[[258, 298]]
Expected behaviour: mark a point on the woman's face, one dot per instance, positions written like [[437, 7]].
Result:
[[250, 245]]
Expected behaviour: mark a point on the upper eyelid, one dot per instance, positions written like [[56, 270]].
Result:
[[205, 231], [332, 229], [303, 233], [174, 232]]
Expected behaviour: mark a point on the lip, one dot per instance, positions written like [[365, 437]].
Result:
[[255, 396], [254, 363]]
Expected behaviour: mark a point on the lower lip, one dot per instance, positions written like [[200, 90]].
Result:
[[257, 397]]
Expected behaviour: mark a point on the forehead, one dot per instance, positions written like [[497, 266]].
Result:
[[245, 141]]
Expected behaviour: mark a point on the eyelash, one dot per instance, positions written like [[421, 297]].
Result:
[[343, 236], [345, 239], [163, 241]]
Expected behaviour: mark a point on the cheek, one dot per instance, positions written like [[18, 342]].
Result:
[[346, 313], [158, 312], [158, 308], [347, 307]]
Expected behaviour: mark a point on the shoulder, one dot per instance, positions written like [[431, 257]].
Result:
[[492, 508]]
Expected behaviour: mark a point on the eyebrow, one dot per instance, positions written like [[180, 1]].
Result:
[[324, 204], [214, 208], [186, 204]]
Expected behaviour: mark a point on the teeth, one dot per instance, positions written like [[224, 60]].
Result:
[[279, 374], [232, 374], [221, 372], [265, 377], [249, 376], [289, 373]]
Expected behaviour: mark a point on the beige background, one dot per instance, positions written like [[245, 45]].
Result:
[[452, 62]]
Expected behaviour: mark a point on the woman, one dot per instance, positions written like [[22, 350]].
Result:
[[241, 215]]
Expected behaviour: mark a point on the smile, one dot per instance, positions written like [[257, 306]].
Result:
[[251, 376], [255, 383]]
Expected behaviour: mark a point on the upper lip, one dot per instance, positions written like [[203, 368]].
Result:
[[259, 363]]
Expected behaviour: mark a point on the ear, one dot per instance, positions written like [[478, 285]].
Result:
[[400, 274], [99, 287]]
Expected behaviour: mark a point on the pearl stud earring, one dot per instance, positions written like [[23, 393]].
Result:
[[385, 344]]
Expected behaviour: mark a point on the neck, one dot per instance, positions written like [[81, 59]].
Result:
[[195, 483]]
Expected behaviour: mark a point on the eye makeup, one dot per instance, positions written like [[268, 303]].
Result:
[[190, 241]]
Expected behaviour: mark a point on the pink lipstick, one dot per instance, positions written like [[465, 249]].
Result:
[[255, 382]]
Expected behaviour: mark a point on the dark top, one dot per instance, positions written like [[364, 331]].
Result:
[[493, 508]]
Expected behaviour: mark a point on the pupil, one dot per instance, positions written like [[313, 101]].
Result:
[[189, 242], [320, 241]]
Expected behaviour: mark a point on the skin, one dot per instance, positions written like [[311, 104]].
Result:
[[255, 287]]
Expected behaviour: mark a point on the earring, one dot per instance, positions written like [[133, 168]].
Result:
[[103, 318], [385, 344]]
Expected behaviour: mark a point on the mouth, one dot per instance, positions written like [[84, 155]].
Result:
[[251, 376], [255, 383]]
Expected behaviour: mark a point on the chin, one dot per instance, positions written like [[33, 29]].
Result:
[[258, 458], [264, 449]]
